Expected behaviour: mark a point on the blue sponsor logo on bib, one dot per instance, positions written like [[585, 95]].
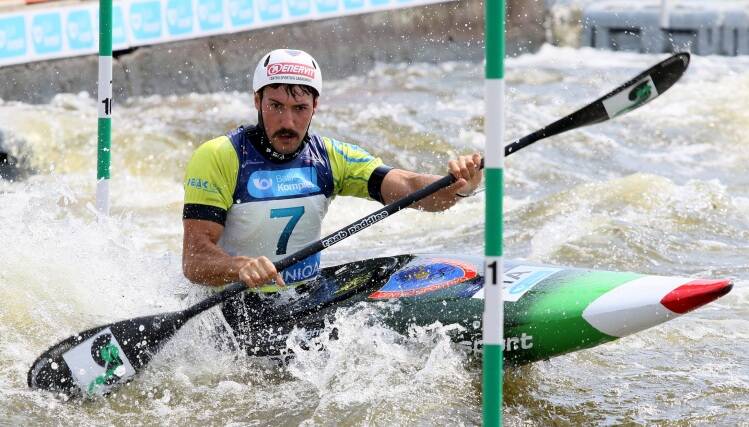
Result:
[[303, 270], [283, 183]]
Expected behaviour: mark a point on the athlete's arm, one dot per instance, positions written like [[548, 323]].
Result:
[[203, 261], [399, 183], [210, 178]]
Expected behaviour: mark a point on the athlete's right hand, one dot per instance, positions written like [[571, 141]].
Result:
[[256, 272]]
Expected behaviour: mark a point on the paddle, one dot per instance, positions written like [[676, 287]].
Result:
[[97, 360], [635, 93]]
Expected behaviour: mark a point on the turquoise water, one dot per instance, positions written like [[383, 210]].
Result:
[[660, 190]]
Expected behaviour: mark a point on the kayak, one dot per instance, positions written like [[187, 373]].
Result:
[[549, 310]]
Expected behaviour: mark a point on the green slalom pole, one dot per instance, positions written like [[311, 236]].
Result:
[[494, 123], [105, 107]]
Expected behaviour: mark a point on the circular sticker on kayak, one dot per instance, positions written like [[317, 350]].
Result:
[[425, 276]]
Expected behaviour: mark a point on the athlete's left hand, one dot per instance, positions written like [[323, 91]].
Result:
[[467, 171]]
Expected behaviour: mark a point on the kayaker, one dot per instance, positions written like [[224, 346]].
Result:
[[261, 191]]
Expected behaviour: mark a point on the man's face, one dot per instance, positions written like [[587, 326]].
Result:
[[286, 117]]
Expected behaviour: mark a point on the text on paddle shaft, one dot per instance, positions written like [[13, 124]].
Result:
[[354, 228]]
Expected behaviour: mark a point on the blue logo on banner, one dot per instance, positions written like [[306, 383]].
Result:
[[145, 20], [119, 35], [353, 4], [241, 12], [46, 33], [302, 270], [211, 14], [80, 30], [299, 7], [179, 17], [327, 6], [270, 10], [283, 183], [12, 37]]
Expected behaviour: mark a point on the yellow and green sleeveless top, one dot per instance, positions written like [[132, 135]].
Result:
[[270, 208]]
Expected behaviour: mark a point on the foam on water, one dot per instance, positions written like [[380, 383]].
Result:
[[62, 271], [367, 358], [634, 221]]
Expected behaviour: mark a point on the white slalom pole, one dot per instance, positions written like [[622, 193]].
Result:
[[104, 96], [493, 320]]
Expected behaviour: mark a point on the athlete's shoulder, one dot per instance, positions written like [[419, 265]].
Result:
[[352, 166], [215, 147], [211, 173], [243, 132], [350, 153]]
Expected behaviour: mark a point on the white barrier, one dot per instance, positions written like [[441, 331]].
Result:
[[701, 27], [36, 34]]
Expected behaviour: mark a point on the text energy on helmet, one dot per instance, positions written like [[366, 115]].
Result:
[[287, 66]]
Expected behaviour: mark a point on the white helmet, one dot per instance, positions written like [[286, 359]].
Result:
[[287, 66]]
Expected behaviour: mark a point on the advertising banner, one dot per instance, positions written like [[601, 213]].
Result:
[[39, 33]]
